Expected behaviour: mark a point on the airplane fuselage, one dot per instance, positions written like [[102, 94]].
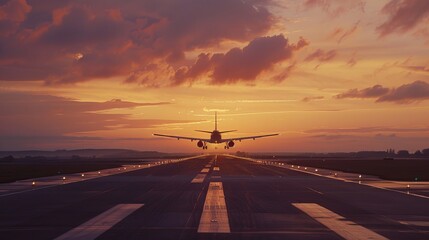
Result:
[[215, 137]]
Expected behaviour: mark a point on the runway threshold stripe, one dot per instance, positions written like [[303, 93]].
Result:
[[214, 218], [199, 178], [216, 169], [347, 229], [205, 170], [101, 223]]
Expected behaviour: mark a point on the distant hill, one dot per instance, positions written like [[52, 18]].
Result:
[[84, 153]]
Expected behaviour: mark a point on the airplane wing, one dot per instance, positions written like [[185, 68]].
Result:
[[181, 137], [249, 137]]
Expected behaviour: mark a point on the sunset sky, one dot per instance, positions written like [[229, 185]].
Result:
[[328, 75]]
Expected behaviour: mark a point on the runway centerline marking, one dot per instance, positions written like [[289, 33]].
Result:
[[216, 169], [205, 170], [214, 218], [101, 223], [199, 178], [347, 229]]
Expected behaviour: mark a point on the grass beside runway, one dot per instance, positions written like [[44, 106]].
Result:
[[397, 169], [10, 172]]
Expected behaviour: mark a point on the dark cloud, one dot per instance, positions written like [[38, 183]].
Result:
[[404, 15], [407, 93], [321, 56], [72, 41], [371, 92], [240, 64]]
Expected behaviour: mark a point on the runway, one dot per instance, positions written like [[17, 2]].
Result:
[[213, 197]]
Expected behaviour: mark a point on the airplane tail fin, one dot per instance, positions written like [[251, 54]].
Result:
[[215, 121]]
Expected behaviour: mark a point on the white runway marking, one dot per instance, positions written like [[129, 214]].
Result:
[[205, 170], [208, 165], [103, 222], [214, 218], [346, 229], [199, 178], [216, 169]]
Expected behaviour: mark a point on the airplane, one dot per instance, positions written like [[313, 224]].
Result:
[[215, 137]]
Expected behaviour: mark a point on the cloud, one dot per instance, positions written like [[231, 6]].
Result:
[[366, 130], [335, 8], [115, 39], [403, 15], [27, 114], [371, 92], [309, 99], [12, 14], [321, 55], [340, 34], [424, 69], [407, 93], [240, 65]]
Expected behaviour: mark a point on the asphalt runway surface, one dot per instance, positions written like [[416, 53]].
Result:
[[213, 197]]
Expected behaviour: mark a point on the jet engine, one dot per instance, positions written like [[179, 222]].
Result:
[[200, 144], [231, 144]]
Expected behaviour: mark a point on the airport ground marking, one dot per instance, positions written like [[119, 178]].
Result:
[[199, 178], [214, 218], [205, 170], [347, 229], [101, 223], [216, 169]]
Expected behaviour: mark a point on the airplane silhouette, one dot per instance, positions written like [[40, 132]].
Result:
[[216, 137]]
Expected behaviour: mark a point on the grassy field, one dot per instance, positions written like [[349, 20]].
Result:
[[10, 172], [398, 169]]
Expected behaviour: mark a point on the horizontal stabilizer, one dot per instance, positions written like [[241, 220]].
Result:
[[228, 131], [203, 131]]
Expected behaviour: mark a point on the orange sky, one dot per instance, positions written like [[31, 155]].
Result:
[[328, 75]]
